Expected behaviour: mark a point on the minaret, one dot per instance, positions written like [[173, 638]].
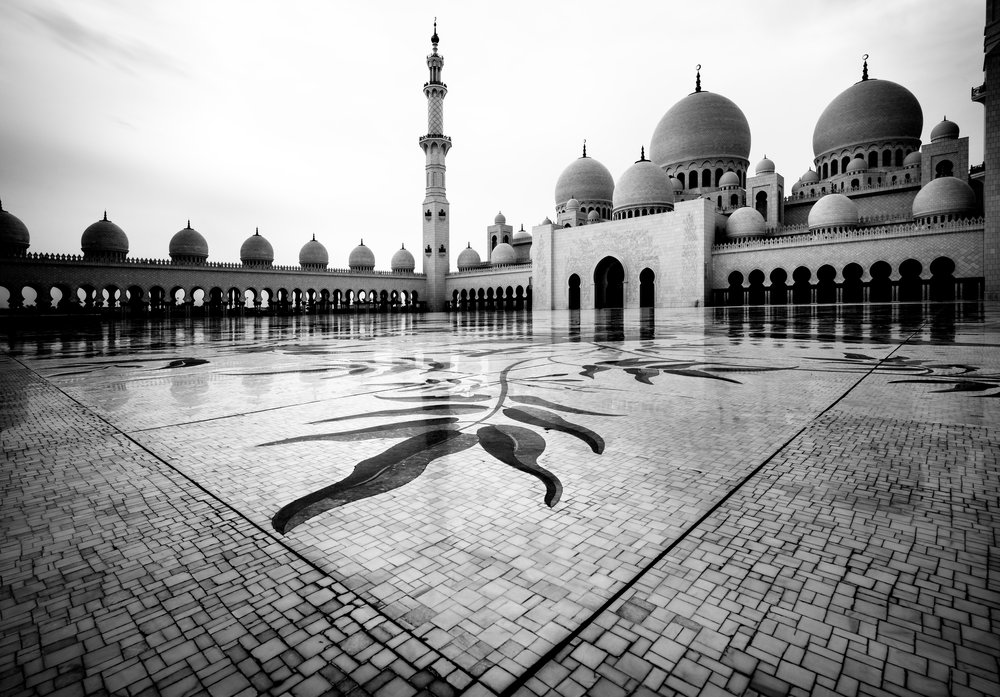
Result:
[[435, 209]]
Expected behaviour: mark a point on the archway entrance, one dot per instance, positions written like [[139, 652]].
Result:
[[647, 294], [609, 284], [574, 292]]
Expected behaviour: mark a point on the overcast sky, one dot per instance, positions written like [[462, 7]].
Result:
[[302, 117]]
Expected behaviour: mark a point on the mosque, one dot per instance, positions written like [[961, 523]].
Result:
[[879, 217]]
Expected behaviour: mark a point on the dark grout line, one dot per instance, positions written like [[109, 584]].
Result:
[[556, 648], [268, 533]]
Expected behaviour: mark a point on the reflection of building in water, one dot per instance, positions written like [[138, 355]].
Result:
[[879, 216]]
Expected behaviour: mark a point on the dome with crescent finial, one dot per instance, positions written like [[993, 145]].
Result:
[[402, 261], [702, 125], [586, 180], [188, 246], [14, 237], [104, 239], [361, 258], [256, 251], [468, 258], [868, 112], [946, 130], [313, 255], [643, 185]]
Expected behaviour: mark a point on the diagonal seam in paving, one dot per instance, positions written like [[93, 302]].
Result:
[[554, 651], [224, 504]]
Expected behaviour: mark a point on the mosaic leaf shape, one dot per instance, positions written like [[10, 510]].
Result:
[[392, 430], [546, 419], [590, 370], [438, 398], [520, 448], [397, 466], [452, 409], [184, 363], [539, 402]]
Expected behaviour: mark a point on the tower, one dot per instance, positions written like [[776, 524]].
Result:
[[435, 209]]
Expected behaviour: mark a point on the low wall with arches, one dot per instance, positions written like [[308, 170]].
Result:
[[70, 283], [490, 288], [901, 262]]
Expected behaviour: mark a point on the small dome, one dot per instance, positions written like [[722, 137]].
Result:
[[313, 255], [946, 130], [104, 238], [858, 164], [945, 196], [914, 159], [402, 260], [810, 177], [257, 251], [188, 245], [585, 179], [14, 237], [833, 210], [503, 254], [362, 258], [572, 203], [593, 217], [765, 166], [729, 179], [468, 258], [702, 125], [869, 111], [745, 222], [500, 219]]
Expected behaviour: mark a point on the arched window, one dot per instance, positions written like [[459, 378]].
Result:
[[760, 203], [944, 168]]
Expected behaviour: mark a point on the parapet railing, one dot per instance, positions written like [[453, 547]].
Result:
[[838, 235], [48, 257]]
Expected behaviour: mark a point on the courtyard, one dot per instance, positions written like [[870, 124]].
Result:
[[763, 501]]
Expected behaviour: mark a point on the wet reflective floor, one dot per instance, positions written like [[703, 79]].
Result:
[[773, 501]]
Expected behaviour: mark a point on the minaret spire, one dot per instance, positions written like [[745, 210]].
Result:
[[435, 209]]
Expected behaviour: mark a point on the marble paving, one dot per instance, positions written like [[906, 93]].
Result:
[[745, 501]]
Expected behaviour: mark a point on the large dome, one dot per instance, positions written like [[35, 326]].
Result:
[[869, 111], [313, 255], [643, 184], [14, 237], [402, 260], [188, 245], [362, 258], [257, 251], [833, 210], [703, 125], [585, 179], [104, 238], [947, 196]]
